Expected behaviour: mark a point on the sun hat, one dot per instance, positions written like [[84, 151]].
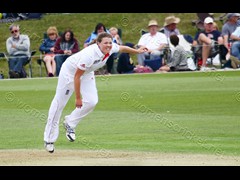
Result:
[[171, 20], [152, 23]]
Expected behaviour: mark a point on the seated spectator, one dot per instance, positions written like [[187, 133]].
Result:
[[18, 48], [64, 47], [91, 39], [155, 42], [179, 59], [235, 48], [125, 63], [99, 28], [47, 47], [170, 26], [116, 38], [206, 42], [228, 28]]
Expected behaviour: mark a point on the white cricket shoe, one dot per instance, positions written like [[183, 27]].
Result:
[[70, 133], [49, 147]]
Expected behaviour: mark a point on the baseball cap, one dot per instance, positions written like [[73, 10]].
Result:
[[208, 20], [229, 15]]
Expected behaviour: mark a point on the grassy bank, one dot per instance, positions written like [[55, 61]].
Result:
[[83, 24]]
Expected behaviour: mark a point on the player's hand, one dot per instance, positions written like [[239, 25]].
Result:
[[142, 49], [78, 103]]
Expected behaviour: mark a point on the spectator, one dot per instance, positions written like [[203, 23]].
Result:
[[228, 28], [170, 26], [64, 47], [125, 63], [91, 39], [47, 47], [155, 42], [116, 38], [235, 37], [205, 42], [215, 26], [235, 49], [179, 60], [18, 48]]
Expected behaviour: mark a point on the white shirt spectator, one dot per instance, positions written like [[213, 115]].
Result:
[[153, 42], [236, 32]]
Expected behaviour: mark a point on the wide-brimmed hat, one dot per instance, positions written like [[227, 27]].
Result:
[[152, 23], [171, 20]]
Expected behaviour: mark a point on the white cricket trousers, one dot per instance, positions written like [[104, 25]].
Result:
[[65, 89]]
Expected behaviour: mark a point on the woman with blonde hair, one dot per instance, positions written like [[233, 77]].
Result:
[[47, 47], [116, 38], [215, 26]]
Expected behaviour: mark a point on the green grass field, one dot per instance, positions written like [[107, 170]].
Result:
[[174, 112]]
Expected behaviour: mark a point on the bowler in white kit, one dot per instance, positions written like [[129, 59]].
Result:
[[77, 75]]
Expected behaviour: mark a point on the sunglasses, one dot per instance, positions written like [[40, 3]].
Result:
[[51, 34], [14, 31]]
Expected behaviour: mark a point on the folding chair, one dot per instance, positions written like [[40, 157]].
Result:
[[2, 55], [41, 62], [220, 50], [29, 62]]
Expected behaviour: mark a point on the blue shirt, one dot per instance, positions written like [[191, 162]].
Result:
[[212, 35]]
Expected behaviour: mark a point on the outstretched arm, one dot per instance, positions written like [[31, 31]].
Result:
[[126, 49]]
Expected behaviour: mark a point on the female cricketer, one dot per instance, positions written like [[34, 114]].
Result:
[[77, 75]]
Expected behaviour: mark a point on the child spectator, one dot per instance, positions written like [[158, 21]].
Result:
[[116, 38], [179, 59]]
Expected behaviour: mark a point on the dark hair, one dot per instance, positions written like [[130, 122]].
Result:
[[71, 36], [174, 39], [103, 35], [98, 26]]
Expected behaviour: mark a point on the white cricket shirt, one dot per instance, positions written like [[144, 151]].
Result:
[[89, 59]]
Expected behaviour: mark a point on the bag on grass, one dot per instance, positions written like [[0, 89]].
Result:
[[191, 64]]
